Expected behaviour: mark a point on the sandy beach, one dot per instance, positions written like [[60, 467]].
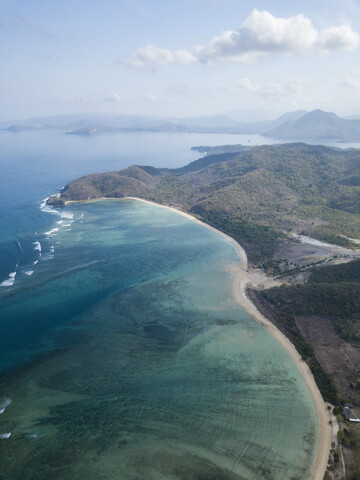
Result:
[[244, 278], [256, 278]]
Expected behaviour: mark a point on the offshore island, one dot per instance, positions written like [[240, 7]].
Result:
[[295, 210]]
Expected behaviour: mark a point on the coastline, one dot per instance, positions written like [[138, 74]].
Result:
[[244, 261], [243, 278], [241, 282]]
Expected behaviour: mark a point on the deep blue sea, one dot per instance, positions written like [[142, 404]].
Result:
[[123, 354]]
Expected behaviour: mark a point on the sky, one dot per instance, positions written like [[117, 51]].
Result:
[[250, 60]]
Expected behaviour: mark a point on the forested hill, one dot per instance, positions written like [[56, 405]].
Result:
[[254, 195]]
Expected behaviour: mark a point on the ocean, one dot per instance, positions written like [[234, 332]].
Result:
[[123, 354]]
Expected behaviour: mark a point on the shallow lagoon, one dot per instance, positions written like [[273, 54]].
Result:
[[140, 363]]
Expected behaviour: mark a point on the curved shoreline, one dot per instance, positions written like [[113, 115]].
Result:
[[244, 261], [242, 279]]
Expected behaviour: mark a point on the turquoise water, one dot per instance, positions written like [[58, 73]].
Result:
[[124, 356]]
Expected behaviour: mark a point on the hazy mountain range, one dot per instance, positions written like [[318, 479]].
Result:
[[297, 125]]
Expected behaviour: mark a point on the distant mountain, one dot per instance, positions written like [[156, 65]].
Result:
[[217, 121], [318, 125], [298, 125], [286, 117], [19, 127], [82, 124], [115, 123], [264, 126], [100, 121]]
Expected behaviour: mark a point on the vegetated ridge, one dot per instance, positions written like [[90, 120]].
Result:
[[257, 196]]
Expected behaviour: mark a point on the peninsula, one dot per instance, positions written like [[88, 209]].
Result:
[[259, 196]]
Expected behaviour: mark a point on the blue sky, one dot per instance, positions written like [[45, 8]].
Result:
[[179, 58]]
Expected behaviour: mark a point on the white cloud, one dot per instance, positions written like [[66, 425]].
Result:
[[260, 35], [351, 84], [152, 55], [150, 97], [51, 58], [74, 99], [339, 38], [273, 91], [113, 97], [188, 90]]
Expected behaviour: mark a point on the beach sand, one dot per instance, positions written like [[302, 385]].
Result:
[[256, 278], [244, 279]]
